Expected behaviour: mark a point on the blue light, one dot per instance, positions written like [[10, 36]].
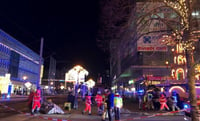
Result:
[[9, 91], [140, 91], [8, 96], [186, 106]]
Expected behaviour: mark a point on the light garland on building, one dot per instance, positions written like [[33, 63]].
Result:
[[180, 7]]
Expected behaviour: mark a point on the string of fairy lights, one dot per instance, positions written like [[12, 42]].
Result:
[[182, 8]]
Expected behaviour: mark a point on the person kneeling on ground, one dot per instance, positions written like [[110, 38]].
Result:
[[48, 107]]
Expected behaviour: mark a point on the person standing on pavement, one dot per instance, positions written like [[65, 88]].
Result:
[[88, 103], [163, 102], [140, 99], [104, 96], [118, 103], [99, 101], [36, 102], [30, 100], [175, 101], [110, 104], [70, 98], [149, 101]]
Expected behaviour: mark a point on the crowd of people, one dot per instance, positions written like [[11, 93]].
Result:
[[108, 104], [156, 100], [38, 105]]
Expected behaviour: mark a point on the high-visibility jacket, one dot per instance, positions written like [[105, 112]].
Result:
[[118, 101], [36, 101], [99, 99], [162, 100], [36, 97], [88, 100]]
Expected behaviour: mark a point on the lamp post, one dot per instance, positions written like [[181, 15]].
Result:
[[40, 63], [24, 81]]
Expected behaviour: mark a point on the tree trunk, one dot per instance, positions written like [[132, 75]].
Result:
[[191, 85]]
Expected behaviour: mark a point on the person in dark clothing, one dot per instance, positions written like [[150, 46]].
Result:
[[30, 100], [110, 104], [70, 98]]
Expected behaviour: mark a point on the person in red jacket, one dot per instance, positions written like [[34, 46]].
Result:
[[99, 101], [88, 103], [163, 102], [36, 101]]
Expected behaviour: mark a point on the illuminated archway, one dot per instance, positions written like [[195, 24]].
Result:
[[179, 90], [180, 74]]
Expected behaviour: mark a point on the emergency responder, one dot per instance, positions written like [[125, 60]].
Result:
[[99, 101], [36, 101], [118, 103], [163, 102], [88, 103]]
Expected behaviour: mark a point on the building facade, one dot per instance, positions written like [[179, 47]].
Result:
[[140, 55], [19, 66]]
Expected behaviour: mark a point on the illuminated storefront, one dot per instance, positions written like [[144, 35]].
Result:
[[18, 61], [4, 83]]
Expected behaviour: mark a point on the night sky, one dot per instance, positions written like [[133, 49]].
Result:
[[68, 27]]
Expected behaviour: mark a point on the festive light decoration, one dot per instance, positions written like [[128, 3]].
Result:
[[180, 74], [176, 87], [180, 7]]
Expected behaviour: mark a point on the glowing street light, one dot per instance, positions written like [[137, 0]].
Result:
[[25, 78]]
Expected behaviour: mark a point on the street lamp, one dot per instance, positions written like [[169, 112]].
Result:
[[24, 78], [24, 81]]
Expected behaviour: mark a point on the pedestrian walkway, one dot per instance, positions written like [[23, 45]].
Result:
[[129, 110]]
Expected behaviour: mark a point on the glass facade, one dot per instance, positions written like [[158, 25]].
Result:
[[19, 61]]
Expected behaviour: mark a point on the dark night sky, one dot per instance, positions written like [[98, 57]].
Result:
[[68, 27]]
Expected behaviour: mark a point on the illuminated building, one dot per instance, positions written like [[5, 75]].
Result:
[[179, 68], [140, 56], [17, 61], [140, 53]]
